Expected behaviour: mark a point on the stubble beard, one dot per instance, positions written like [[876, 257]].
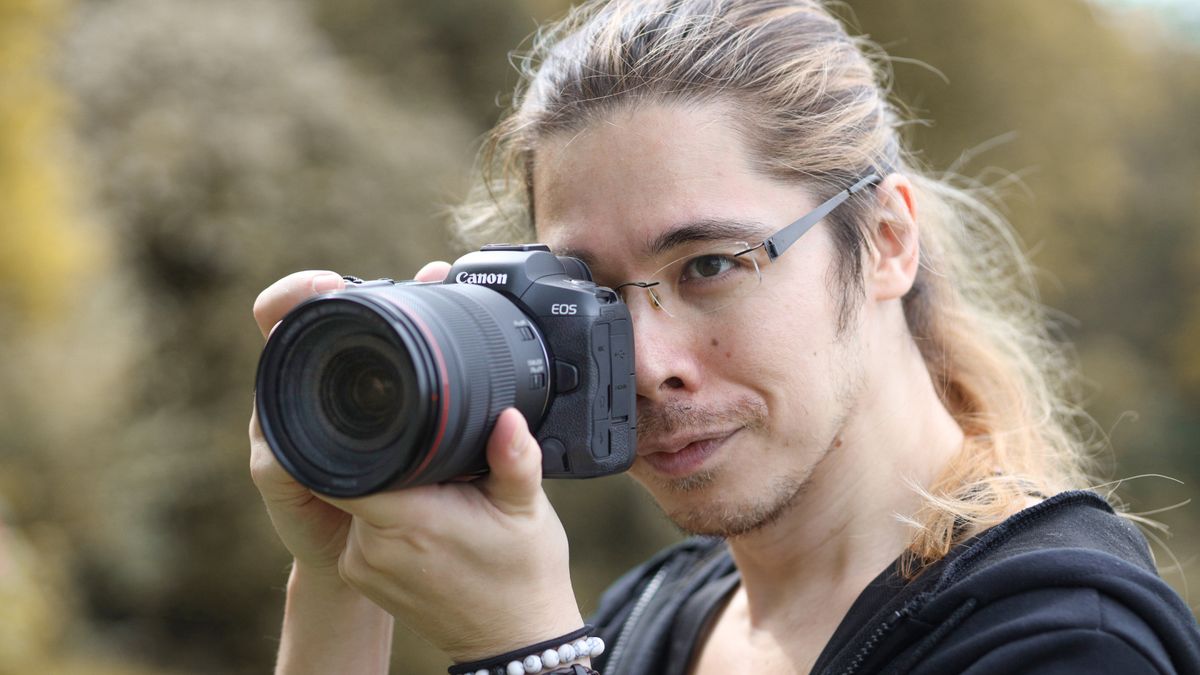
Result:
[[719, 517]]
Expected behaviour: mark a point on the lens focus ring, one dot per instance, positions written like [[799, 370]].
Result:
[[484, 353]]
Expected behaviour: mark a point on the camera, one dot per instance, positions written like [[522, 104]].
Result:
[[387, 385]]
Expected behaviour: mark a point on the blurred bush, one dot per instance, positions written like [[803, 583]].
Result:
[[185, 155], [40, 238]]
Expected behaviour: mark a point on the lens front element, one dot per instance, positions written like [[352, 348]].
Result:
[[361, 393]]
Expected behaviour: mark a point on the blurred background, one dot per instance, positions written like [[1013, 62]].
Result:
[[161, 161]]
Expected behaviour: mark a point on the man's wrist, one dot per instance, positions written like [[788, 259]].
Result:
[[324, 577], [330, 627], [515, 636], [310, 587]]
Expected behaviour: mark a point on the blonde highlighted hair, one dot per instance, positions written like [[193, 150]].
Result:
[[812, 104]]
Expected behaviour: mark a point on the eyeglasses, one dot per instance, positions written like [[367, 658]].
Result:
[[714, 276]]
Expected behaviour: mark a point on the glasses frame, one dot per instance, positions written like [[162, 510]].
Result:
[[779, 242], [782, 240], [657, 303]]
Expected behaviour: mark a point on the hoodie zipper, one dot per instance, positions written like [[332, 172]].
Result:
[[639, 607], [881, 632], [669, 567]]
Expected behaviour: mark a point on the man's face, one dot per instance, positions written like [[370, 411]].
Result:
[[736, 408]]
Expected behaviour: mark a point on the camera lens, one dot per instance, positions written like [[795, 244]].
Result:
[[396, 385], [361, 393], [345, 400]]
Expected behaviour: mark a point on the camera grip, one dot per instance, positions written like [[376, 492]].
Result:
[[591, 430]]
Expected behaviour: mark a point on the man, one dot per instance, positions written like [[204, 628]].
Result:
[[832, 381]]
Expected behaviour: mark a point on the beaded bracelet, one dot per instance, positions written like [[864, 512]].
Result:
[[536, 658]]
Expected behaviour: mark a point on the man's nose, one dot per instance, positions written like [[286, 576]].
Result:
[[665, 361]]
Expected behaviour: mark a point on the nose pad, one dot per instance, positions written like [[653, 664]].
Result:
[[656, 301]]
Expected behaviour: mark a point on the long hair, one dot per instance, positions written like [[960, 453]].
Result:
[[812, 103]]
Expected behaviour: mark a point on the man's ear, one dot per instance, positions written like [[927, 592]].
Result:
[[895, 250]]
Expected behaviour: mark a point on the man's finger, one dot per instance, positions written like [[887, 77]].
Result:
[[280, 297], [515, 460], [434, 271], [266, 472]]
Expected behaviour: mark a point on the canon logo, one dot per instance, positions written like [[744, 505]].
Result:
[[486, 279]]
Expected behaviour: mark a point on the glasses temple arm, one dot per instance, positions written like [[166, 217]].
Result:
[[779, 242]]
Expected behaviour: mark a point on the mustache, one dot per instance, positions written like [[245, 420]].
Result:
[[664, 419]]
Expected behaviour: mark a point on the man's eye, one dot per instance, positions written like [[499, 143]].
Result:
[[708, 266]]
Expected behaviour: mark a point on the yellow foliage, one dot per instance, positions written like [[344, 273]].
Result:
[[29, 614], [41, 238]]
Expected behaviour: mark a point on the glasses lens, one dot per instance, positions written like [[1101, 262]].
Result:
[[707, 279]]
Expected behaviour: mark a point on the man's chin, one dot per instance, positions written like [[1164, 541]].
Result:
[[692, 483], [696, 505]]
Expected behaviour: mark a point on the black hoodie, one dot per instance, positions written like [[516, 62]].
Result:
[[1065, 586]]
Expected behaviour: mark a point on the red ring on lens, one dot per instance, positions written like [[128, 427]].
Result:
[[445, 415]]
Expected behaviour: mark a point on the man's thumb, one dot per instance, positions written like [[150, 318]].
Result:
[[516, 464]]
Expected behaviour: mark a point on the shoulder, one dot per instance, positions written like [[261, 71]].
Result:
[[1075, 521], [1064, 586], [1058, 630], [1072, 540]]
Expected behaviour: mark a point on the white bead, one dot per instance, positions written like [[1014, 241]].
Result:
[[566, 653], [581, 648], [515, 668], [597, 646], [533, 663], [483, 671], [550, 658]]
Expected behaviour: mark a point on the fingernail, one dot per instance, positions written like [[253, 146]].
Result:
[[517, 445], [323, 283]]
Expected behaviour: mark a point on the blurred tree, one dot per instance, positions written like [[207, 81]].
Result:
[[43, 248], [458, 48], [40, 241], [32, 620], [35, 612], [227, 143]]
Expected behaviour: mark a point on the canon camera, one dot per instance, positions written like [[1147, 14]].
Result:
[[394, 384]]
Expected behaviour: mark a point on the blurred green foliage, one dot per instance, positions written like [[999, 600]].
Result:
[[162, 161]]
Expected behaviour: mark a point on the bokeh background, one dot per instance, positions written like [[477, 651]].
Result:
[[161, 161]]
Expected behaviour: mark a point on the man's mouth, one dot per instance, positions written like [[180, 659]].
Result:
[[685, 454]]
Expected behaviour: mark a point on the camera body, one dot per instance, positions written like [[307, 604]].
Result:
[[589, 427], [388, 384]]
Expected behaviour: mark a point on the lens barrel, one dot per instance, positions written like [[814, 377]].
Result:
[[396, 385]]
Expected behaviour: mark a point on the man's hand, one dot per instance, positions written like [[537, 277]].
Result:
[[476, 568], [313, 531]]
